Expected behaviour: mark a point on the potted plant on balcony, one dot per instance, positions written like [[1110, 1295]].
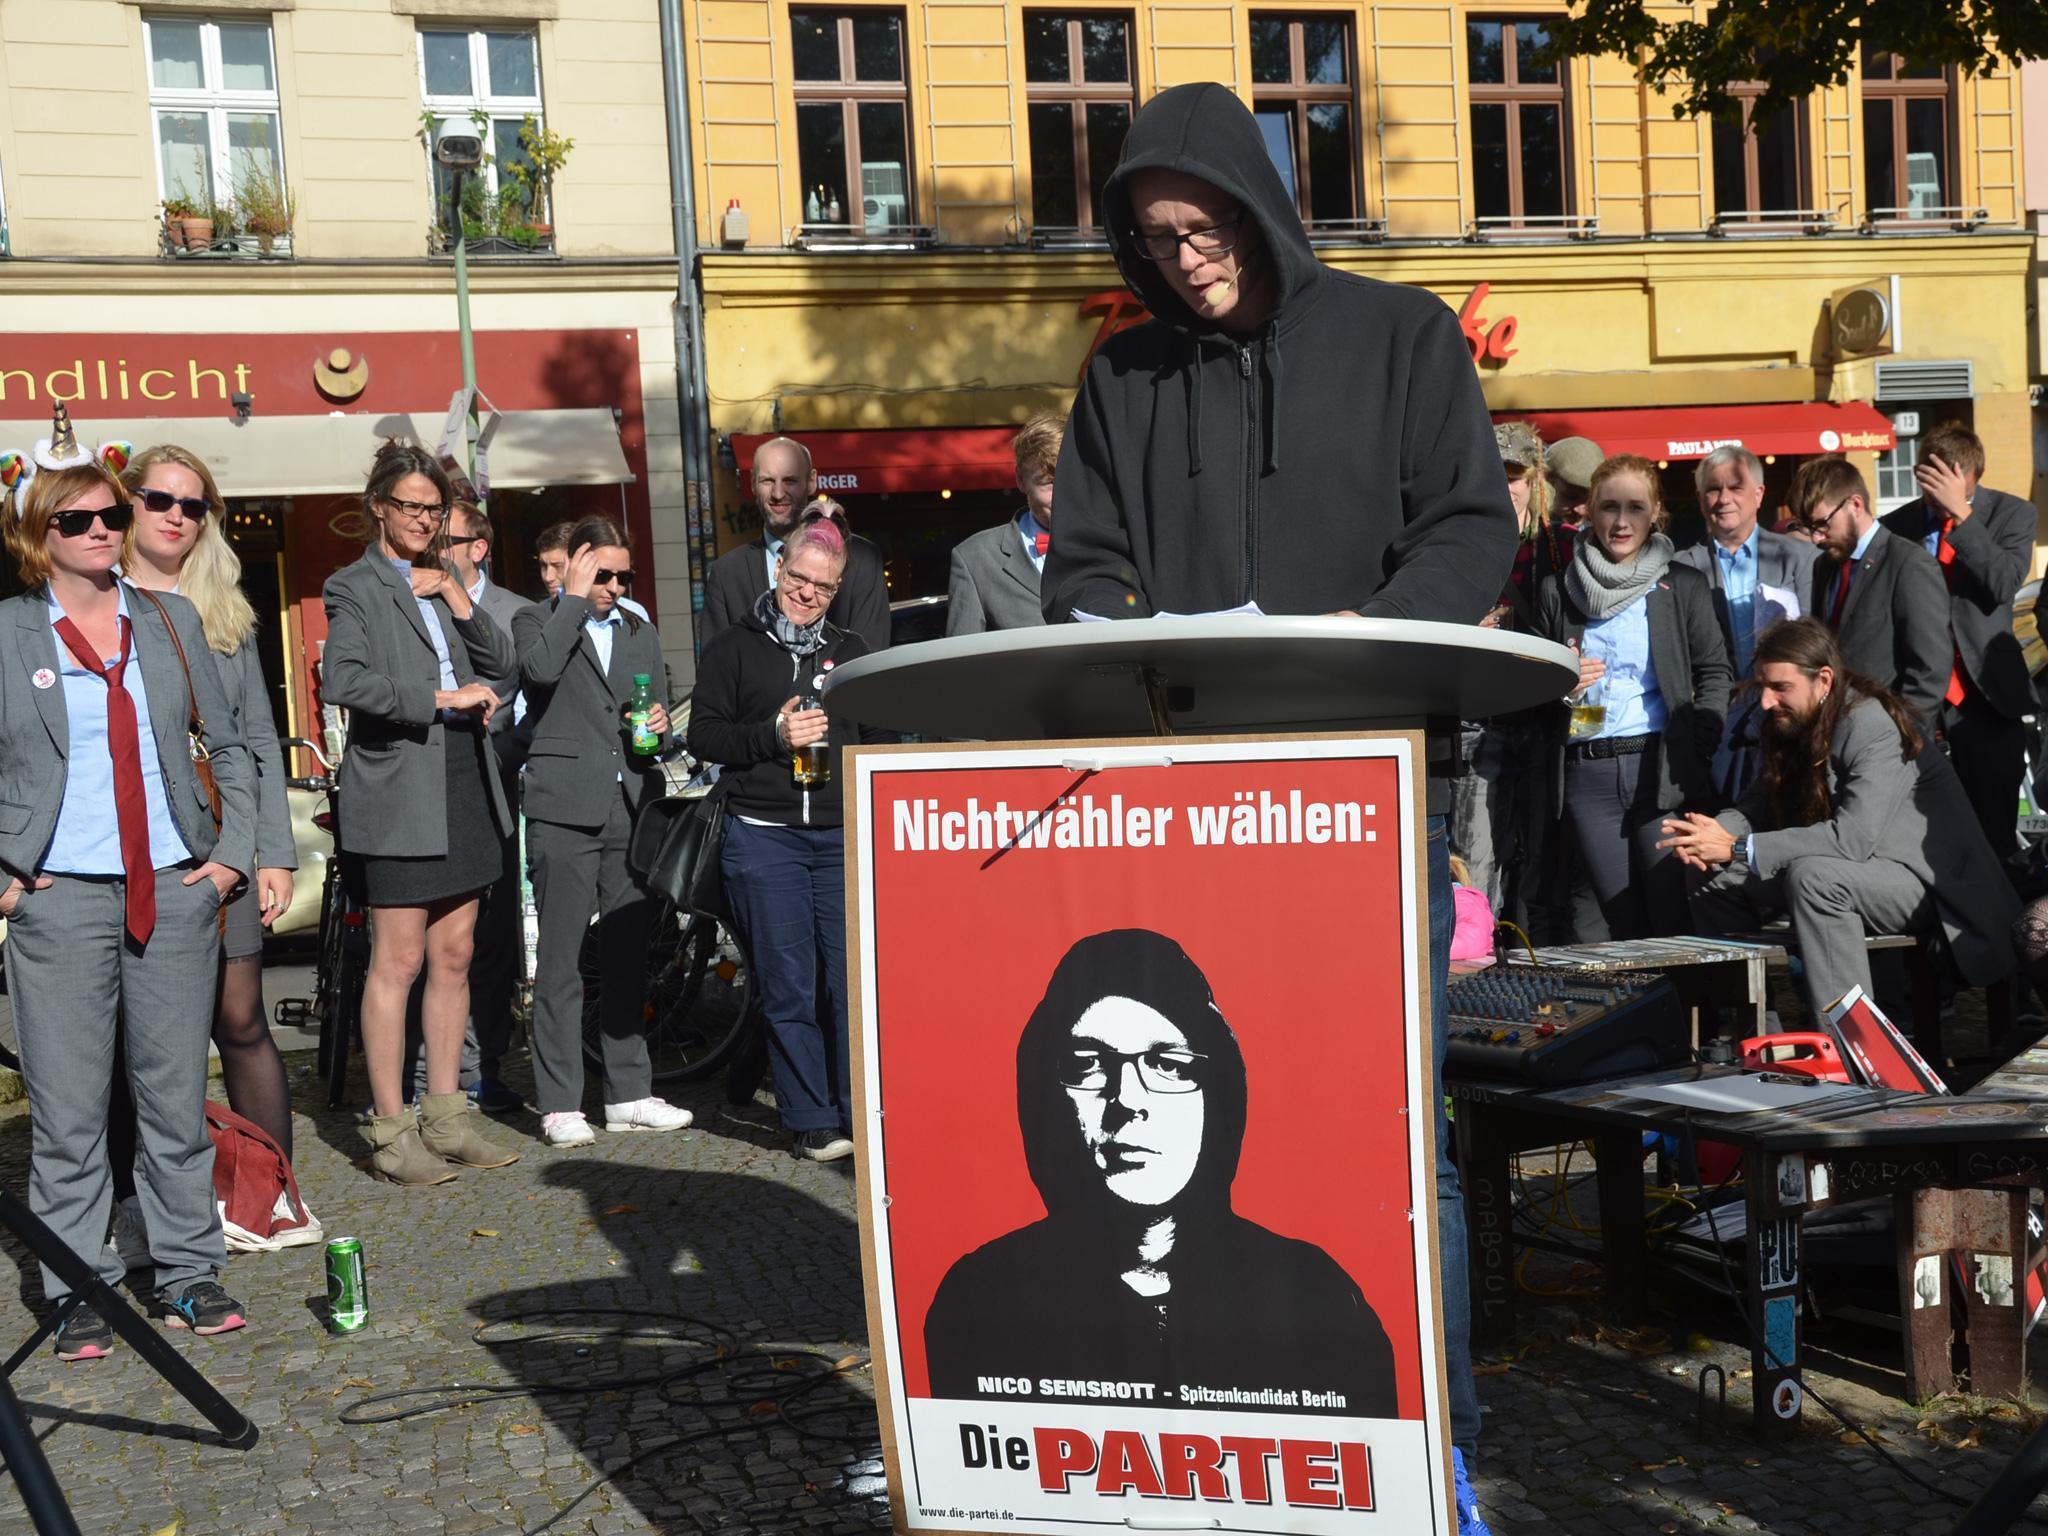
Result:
[[544, 155], [182, 211], [267, 208]]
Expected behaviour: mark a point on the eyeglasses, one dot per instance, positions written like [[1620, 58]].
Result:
[[825, 589], [1160, 1070], [1216, 240], [1819, 530], [192, 508], [434, 509], [605, 578], [78, 521]]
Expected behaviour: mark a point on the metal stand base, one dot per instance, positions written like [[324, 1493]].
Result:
[[40, 1492]]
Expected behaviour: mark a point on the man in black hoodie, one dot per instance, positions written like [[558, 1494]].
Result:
[[1285, 434]]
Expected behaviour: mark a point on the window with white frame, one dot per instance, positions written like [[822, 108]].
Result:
[[213, 99], [485, 81]]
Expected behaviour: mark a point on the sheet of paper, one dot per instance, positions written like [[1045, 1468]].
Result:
[[1246, 610], [1739, 1095]]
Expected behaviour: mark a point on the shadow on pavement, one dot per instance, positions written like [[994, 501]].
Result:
[[715, 1372]]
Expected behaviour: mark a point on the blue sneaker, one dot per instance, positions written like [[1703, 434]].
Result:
[[1469, 1523], [494, 1098]]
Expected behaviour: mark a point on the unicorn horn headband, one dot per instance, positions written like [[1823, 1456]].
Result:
[[60, 450]]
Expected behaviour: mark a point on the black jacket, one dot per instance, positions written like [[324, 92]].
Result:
[[1691, 663], [1994, 546], [1342, 458], [738, 577], [743, 678]]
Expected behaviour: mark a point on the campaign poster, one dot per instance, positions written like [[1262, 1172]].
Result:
[[1147, 1205]]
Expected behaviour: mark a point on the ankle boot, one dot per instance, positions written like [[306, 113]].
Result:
[[396, 1155], [445, 1132]]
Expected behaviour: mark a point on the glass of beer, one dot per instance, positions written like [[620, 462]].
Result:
[[811, 764], [1589, 711]]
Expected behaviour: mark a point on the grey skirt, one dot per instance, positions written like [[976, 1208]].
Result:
[[475, 856]]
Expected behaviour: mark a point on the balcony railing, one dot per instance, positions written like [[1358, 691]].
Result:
[[849, 237], [1774, 221], [1901, 220], [1542, 226], [1067, 237], [1347, 232]]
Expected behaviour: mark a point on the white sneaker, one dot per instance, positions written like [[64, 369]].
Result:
[[566, 1128], [646, 1115], [129, 1238]]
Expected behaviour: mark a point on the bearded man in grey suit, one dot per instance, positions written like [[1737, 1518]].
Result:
[[1856, 825], [994, 582], [1758, 577]]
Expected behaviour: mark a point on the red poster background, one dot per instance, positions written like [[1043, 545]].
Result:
[[1302, 945]]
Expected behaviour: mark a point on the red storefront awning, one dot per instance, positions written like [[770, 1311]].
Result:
[[925, 459], [1694, 431]]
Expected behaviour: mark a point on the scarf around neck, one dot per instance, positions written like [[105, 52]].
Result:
[[797, 639], [1602, 588]]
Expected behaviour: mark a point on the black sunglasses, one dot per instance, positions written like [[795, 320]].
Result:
[[78, 521], [605, 578], [194, 508]]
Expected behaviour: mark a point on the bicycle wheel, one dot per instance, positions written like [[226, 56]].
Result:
[[701, 992], [698, 992], [341, 1023]]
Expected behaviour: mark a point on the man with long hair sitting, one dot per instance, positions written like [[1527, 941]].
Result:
[[1855, 826]]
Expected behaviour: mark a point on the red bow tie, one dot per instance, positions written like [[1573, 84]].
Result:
[[1041, 542]]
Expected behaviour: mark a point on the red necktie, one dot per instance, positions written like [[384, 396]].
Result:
[[131, 806], [1945, 552], [1041, 542], [1841, 591]]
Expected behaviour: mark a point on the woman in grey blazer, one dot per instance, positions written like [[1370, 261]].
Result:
[[422, 817], [1648, 712], [114, 878]]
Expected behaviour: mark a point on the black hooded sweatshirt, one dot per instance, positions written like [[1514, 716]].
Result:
[[1341, 458], [1247, 1309]]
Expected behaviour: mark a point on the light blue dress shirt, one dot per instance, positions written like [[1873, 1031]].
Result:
[[87, 839], [1028, 530], [1738, 584], [1635, 704], [774, 559], [433, 622], [601, 631]]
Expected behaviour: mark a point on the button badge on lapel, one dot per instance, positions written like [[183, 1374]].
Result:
[[43, 677]]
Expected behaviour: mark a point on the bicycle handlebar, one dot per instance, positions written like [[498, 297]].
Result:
[[313, 747]]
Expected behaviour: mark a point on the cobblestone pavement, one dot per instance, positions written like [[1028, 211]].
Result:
[[1589, 1429]]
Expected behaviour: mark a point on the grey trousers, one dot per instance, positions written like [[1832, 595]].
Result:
[[578, 871], [1833, 904], [1632, 889], [75, 978]]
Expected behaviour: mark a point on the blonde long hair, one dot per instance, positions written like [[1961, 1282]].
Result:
[[211, 577]]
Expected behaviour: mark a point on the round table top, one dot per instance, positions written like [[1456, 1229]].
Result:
[[1215, 674]]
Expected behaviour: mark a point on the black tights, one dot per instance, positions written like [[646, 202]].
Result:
[[251, 1070]]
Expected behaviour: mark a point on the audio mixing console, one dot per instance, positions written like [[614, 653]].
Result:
[[1553, 1026]]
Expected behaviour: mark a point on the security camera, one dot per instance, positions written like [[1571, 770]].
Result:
[[459, 151]]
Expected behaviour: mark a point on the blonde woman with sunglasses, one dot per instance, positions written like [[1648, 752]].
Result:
[[175, 544]]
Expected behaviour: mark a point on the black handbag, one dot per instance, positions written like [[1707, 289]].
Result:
[[675, 847]]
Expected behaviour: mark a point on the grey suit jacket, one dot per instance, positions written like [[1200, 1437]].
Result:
[[993, 584], [1994, 546], [35, 735], [1780, 562], [1893, 627], [1912, 813], [576, 707], [511, 740], [738, 577], [248, 699], [379, 664]]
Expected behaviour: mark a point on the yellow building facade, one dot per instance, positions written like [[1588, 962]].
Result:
[[1622, 260]]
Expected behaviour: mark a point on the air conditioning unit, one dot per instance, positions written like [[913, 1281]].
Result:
[[884, 195]]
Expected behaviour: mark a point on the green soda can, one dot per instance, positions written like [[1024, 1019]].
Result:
[[348, 1292]]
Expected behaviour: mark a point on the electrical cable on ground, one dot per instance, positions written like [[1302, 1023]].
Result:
[[757, 1386]]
